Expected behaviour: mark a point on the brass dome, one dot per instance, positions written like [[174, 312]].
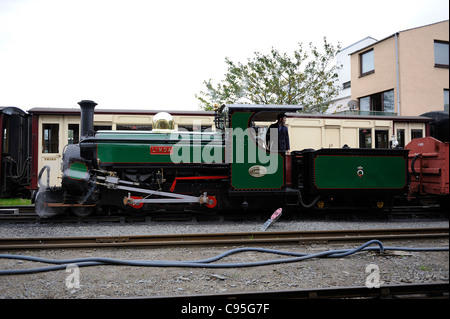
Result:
[[163, 121]]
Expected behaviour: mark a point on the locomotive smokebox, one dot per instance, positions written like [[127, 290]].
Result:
[[87, 117]]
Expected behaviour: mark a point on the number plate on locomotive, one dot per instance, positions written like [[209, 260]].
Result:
[[161, 150]]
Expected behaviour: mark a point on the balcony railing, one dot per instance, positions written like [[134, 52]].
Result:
[[366, 113]]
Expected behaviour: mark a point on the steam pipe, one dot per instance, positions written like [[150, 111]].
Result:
[[397, 72]]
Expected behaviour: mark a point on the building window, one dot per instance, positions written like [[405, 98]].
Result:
[[441, 54], [364, 103], [346, 85], [378, 102], [50, 138], [388, 101], [446, 100], [365, 138], [367, 63]]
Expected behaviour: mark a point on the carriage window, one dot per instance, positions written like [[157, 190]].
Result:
[[416, 134], [50, 138], [73, 134], [133, 127], [401, 137], [6, 138], [194, 128], [381, 139], [102, 128], [365, 138]]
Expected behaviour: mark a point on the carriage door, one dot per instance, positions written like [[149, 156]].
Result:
[[55, 133]]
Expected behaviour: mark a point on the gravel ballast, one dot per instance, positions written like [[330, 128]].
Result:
[[126, 281]]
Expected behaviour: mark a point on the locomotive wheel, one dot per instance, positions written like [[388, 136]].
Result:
[[43, 198], [82, 211]]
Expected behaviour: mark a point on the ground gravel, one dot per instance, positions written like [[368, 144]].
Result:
[[127, 281]]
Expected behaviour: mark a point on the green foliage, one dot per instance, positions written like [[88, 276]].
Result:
[[303, 78], [14, 201]]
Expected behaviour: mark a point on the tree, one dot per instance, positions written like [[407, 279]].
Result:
[[305, 78]]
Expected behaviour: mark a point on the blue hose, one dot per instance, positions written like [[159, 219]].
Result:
[[202, 263]]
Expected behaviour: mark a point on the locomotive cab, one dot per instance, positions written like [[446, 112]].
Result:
[[259, 177], [253, 167]]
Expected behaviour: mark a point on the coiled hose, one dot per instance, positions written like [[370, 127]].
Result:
[[202, 263]]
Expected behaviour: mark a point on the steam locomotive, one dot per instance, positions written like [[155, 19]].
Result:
[[231, 168]]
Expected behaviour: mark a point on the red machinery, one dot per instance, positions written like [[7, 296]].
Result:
[[429, 167]]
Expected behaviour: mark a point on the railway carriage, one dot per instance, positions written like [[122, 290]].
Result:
[[229, 168], [15, 156]]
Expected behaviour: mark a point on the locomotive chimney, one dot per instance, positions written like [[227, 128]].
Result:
[[87, 117]]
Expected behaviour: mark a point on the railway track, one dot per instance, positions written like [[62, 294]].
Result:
[[289, 237], [26, 214], [436, 290]]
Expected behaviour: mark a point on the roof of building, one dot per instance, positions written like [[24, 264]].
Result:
[[388, 37]]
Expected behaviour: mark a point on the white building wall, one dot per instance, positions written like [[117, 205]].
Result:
[[344, 74]]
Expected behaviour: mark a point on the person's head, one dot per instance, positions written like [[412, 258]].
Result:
[[281, 118]]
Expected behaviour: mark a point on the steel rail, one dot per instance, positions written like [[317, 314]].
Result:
[[430, 290], [289, 237], [26, 213]]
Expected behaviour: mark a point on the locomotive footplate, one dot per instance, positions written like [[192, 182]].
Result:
[[285, 192]]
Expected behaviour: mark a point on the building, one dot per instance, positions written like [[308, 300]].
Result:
[[340, 103], [406, 73]]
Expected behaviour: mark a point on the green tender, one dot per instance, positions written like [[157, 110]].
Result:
[[375, 172]]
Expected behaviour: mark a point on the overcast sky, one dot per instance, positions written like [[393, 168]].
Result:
[[144, 54]]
